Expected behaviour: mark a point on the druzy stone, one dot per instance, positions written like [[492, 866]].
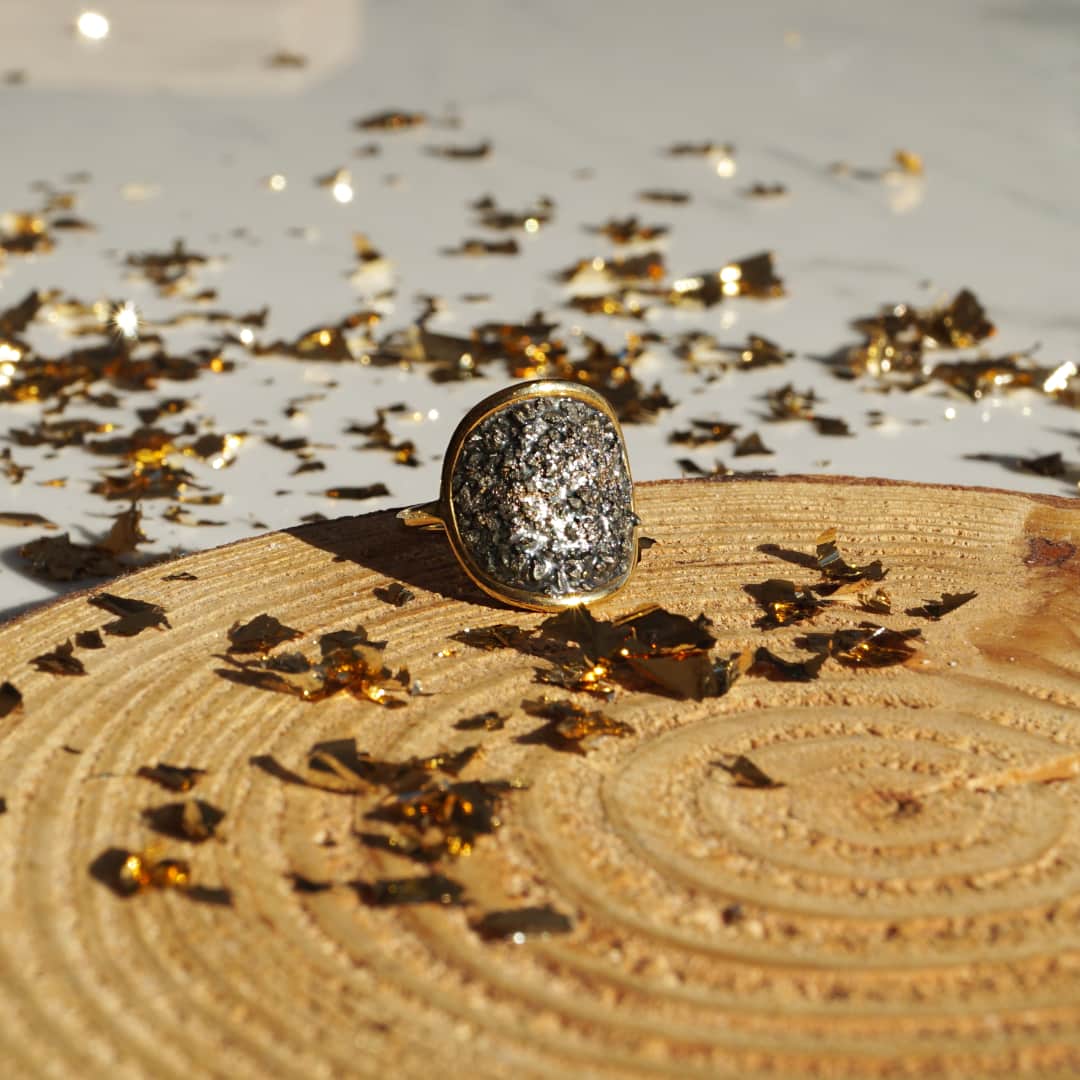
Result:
[[543, 498]]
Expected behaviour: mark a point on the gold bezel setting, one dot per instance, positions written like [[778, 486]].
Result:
[[444, 514]]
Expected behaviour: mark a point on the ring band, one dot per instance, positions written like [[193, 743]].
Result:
[[537, 498]]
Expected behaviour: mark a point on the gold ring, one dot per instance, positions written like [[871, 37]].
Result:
[[536, 497]]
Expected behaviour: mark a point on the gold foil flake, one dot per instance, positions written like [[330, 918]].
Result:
[[147, 870], [958, 325], [145, 482], [832, 565], [629, 230], [325, 342], [475, 246], [750, 444], [14, 472], [621, 306], [369, 491], [691, 675], [285, 59], [172, 777], [394, 594], [869, 646], [720, 471], [170, 272], [598, 639], [703, 433], [25, 520], [647, 267], [485, 721], [60, 661], [499, 636], [746, 774], [571, 728], [379, 437], [24, 233], [194, 820], [518, 925], [896, 340], [348, 663], [394, 892], [936, 609], [475, 152], [14, 320], [260, 635], [753, 277], [787, 403], [89, 639], [784, 603], [767, 663], [125, 534], [665, 196], [58, 433], [759, 190], [492, 216], [58, 558], [907, 161], [853, 594], [10, 699], [134, 616], [177, 515], [650, 647], [391, 120]]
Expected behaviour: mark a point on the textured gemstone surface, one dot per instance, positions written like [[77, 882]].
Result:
[[542, 497]]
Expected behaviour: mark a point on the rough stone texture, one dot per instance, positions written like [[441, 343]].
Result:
[[543, 498]]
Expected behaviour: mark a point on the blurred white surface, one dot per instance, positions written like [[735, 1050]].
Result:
[[181, 99]]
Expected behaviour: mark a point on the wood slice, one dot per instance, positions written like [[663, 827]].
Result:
[[822, 928]]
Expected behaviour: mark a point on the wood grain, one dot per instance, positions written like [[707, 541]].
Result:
[[810, 930]]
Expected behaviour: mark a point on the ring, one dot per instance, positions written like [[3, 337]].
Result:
[[536, 497]]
